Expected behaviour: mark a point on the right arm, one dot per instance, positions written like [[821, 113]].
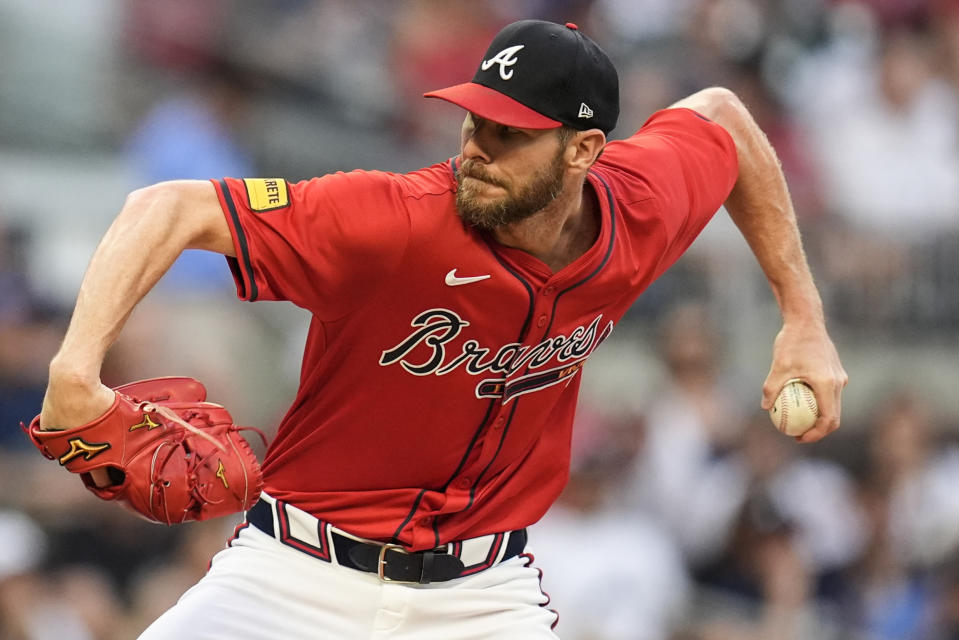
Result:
[[760, 206], [154, 227]]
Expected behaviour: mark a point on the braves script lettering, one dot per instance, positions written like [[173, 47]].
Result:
[[436, 328]]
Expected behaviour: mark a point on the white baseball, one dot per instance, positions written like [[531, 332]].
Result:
[[795, 410]]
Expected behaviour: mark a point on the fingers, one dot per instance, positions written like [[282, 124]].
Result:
[[101, 478], [829, 400], [804, 351], [773, 386], [817, 433], [828, 393]]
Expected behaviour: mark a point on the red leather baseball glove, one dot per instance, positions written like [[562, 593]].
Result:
[[173, 457]]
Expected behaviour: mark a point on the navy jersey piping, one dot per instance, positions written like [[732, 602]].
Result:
[[409, 516], [476, 435], [240, 238], [483, 423], [609, 252], [499, 447], [523, 332]]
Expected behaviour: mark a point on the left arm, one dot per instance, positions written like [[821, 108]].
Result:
[[760, 206]]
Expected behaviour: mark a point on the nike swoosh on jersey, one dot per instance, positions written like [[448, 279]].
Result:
[[454, 281]]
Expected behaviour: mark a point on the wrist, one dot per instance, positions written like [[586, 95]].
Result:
[[801, 306], [71, 373], [811, 318]]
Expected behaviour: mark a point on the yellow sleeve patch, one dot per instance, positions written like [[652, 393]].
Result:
[[267, 194]]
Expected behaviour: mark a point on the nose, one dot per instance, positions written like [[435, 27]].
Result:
[[473, 151], [473, 148]]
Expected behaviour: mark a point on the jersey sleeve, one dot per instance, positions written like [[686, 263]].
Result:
[[324, 244], [686, 163]]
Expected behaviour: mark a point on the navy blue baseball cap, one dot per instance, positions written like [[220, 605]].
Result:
[[541, 75]]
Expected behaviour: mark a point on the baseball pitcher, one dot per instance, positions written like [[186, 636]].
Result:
[[453, 309]]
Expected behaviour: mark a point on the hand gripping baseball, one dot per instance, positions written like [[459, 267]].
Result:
[[173, 456]]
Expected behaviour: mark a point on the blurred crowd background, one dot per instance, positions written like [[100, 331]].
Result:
[[687, 517]]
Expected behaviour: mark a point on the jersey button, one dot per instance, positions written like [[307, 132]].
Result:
[[499, 423], [550, 290], [541, 321], [426, 521], [464, 483]]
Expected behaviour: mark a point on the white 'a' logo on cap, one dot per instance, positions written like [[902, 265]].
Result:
[[505, 58]]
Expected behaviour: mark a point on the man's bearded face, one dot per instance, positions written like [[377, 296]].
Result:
[[520, 202]]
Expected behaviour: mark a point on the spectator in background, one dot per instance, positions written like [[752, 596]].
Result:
[[175, 34], [33, 607], [883, 121], [192, 134], [43, 598], [16, 298], [909, 493], [947, 607], [946, 24], [890, 157], [816, 495], [22, 546], [189, 132], [792, 145], [629, 580], [425, 33], [918, 471], [159, 584], [891, 600], [195, 133], [30, 330], [760, 526], [683, 475], [772, 595], [798, 530]]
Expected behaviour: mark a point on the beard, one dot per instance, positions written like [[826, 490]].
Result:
[[518, 203]]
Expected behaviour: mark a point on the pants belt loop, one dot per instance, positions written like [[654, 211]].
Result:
[[427, 567]]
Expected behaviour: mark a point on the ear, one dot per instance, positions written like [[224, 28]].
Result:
[[583, 149]]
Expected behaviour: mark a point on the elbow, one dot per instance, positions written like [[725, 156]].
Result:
[[159, 208], [165, 205], [186, 212], [160, 198], [723, 107]]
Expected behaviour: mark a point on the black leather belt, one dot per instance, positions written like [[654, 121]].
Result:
[[392, 562]]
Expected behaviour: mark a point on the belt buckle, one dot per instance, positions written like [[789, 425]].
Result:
[[381, 564]]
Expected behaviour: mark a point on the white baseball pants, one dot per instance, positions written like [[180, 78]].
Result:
[[261, 589]]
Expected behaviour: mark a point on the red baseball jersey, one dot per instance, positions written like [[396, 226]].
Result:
[[441, 370]]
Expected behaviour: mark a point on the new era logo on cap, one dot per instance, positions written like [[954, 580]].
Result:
[[541, 75]]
